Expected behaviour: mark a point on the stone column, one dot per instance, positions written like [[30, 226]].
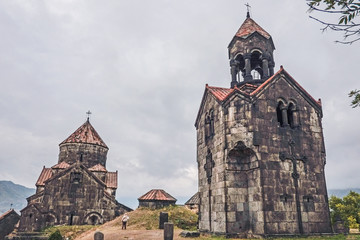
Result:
[[265, 68], [271, 68], [233, 68], [247, 58], [168, 231]]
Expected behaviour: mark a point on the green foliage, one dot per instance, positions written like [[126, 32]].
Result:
[[55, 235], [346, 10], [146, 218], [356, 98], [70, 232], [348, 209]]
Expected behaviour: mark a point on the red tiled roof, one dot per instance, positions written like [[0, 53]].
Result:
[[7, 213], [157, 194], [248, 27], [85, 134], [45, 174], [98, 168], [193, 200], [61, 165], [248, 88], [111, 179], [220, 93]]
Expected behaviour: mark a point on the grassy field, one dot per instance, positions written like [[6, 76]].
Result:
[[148, 219]]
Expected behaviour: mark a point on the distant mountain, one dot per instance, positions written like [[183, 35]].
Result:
[[11, 193], [342, 192]]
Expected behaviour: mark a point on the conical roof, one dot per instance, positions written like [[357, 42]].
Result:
[[158, 195], [248, 27], [86, 133]]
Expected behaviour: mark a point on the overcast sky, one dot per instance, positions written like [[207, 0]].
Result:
[[140, 66]]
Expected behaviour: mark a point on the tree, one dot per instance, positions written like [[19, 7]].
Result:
[[356, 101], [348, 209], [347, 12]]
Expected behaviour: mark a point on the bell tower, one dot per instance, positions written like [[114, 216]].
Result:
[[251, 54]]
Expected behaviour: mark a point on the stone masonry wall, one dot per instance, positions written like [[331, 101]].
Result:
[[73, 198], [252, 186], [88, 154]]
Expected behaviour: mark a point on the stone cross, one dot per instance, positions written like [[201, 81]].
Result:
[[294, 159], [88, 113], [248, 8]]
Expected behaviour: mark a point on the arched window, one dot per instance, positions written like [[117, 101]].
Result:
[[212, 127], [209, 125], [240, 69], [279, 108], [256, 65]]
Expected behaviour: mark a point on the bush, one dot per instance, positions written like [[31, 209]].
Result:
[[55, 236]]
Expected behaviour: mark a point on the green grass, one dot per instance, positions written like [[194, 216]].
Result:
[[145, 218], [68, 231]]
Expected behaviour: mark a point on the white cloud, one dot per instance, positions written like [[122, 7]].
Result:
[[140, 67]]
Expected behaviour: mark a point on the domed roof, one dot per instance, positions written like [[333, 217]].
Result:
[[86, 133]]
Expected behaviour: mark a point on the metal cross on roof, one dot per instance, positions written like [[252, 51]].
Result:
[[248, 9], [88, 113]]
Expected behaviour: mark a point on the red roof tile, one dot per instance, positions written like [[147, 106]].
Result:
[[111, 179], [45, 174], [249, 89], [220, 93], [8, 213], [85, 134], [61, 165], [157, 194], [98, 168], [248, 27], [195, 199]]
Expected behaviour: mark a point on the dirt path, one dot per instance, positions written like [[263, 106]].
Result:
[[115, 233]]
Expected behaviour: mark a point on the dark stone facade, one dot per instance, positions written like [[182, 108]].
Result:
[[78, 190], [7, 222], [260, 152]]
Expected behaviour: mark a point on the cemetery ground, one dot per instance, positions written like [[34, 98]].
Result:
[[144, 223]]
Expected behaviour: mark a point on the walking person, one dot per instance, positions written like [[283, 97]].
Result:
[[124, 220]]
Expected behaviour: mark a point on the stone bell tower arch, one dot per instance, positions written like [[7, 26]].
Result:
[[251, 54]]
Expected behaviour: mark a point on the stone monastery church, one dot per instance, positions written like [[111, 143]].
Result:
[[78, 189], [260, 148]]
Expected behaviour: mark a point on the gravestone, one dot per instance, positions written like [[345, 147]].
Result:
[[168, 231], [164, 217], [98, 236]]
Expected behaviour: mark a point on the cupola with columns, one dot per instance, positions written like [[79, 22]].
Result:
[[251, 54]]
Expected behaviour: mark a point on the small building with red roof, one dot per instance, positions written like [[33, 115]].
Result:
[[156, 198]]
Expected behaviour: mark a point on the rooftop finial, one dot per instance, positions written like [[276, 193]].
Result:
[[88, 113], [248, 10]]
